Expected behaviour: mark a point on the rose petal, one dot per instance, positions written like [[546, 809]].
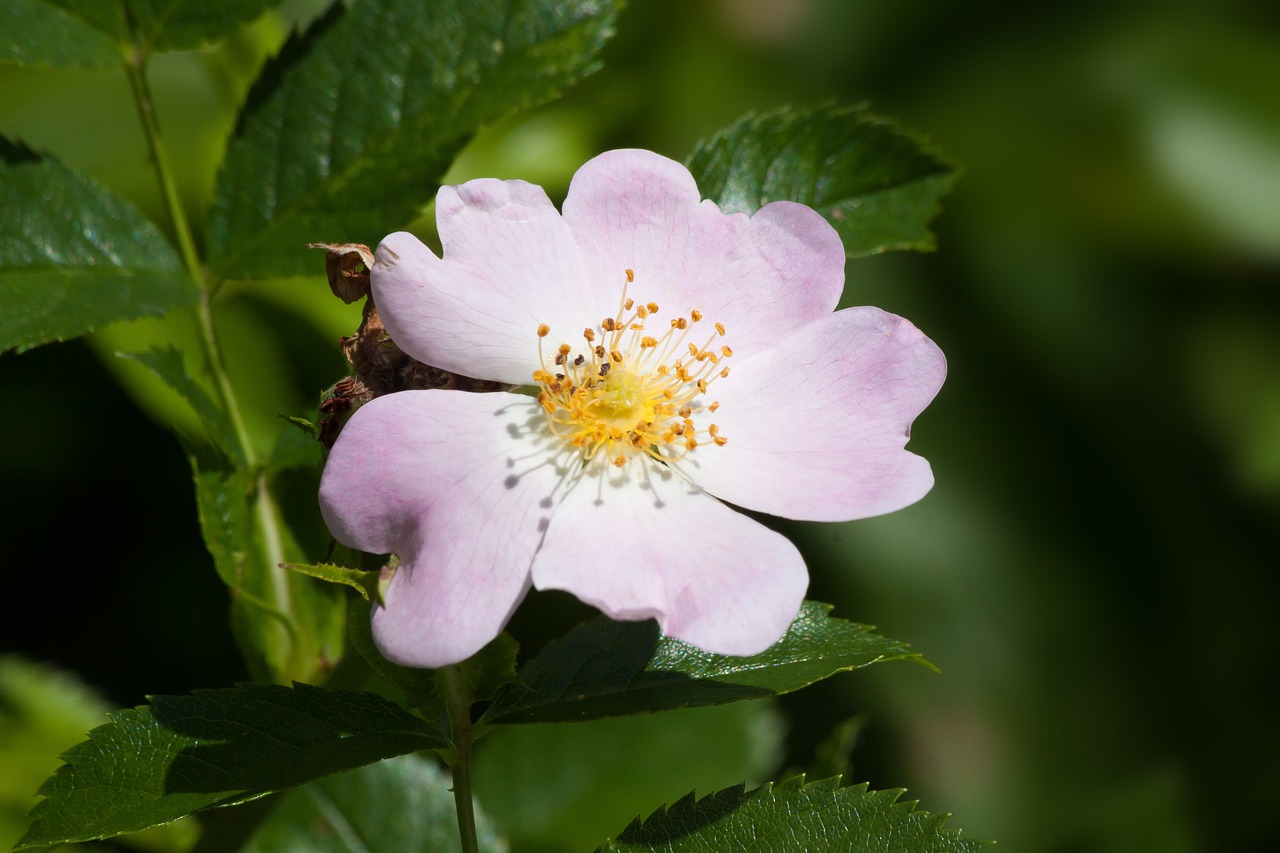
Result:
[[641, 543], [816, 425], [759, 276], [510, 264], [439, 478]]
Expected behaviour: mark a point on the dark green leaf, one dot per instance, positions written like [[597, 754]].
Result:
[[400, 805], [418, 685], [74, 256], [166, 363], [490, 669], [794, 816], [39, 34], [178, 24], [877, 184], [150, 24], [605, 668], [344, 141], [180, 754]]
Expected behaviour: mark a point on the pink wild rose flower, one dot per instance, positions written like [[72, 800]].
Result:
[[675, 357]]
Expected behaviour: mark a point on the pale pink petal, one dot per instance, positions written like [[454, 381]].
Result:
[[641, 543], [816, 426], [759, 276], [444, 480], [510, 265]]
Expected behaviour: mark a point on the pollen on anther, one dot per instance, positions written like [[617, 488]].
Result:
[[543, 330], [631, 276], [628, 304], [702, 385], [685, 411], [653, 307], [589, 334], [565, 349], [720, 329], [726, 351], [695, 315], [713, 406]]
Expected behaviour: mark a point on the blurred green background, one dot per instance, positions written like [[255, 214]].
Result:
[[1094, 572]]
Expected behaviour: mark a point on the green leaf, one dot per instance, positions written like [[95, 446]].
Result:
[[44, 712], [363, 582], [180, 754], [147, 24], [180, 24], [303, 643], [794, 816], [402, 804], [565, 786], [420, 686], [166, 363], [490, 669], [74, 256], [39, 34], [342, 142], [605, 668], [877, 184]]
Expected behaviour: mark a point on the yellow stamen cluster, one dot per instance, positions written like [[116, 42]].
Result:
[[627, 390]]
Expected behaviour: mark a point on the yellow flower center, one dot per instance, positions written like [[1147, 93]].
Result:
[[628, 390]]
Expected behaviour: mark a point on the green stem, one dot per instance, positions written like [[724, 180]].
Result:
[[267, 514], [458, 703]]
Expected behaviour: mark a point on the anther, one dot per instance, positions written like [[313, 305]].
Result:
[[695, 315], [631, 276], [543, 330], [720, 329]]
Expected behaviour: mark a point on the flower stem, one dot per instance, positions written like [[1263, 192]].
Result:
[[267, 515], [458, 703]]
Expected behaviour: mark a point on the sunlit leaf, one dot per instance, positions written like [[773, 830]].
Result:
[[341, 142], [605, 668], [180, 754], [876, 183], [74, 256], [794, 816]]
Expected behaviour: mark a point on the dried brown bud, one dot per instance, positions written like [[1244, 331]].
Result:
[[348, 265]]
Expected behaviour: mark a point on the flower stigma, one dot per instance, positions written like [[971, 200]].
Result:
[[627, 390]]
